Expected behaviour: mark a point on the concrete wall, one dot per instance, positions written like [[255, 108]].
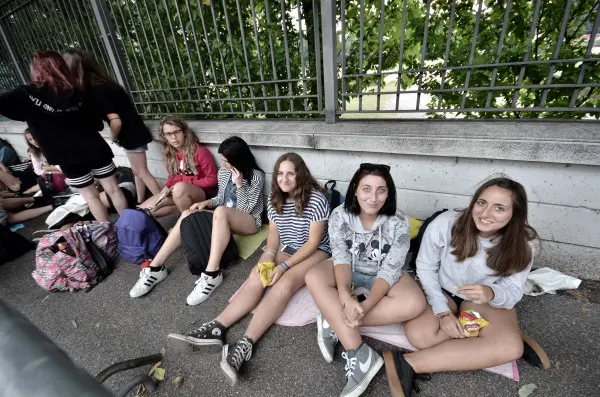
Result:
[[439, 165]]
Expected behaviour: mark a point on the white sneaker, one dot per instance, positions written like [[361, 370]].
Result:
[[148, 279], [205, 285]]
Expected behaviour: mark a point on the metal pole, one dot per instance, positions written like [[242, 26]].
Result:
[[329, 60], [12, 55], [111, 43]]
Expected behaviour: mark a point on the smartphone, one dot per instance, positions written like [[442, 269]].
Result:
[[288, 250]]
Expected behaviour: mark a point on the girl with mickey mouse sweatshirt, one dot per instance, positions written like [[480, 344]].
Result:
[[369, 242]]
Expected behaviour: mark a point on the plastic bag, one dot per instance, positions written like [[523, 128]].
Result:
[[546, 280]]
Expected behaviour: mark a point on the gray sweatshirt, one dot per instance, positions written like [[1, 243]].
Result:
[[437, 268], [380, 251]]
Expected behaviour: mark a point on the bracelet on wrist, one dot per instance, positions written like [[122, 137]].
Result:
[[285, 266], [442, 315], [272, 252]]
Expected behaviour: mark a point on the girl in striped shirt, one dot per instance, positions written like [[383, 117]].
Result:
[[297, 241], [237, 209]]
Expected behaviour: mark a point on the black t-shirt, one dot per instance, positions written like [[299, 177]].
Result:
[[64, 123], [114, 99]]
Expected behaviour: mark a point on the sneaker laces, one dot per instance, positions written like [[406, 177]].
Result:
[[350, 364], [203, 328], [242, 351]]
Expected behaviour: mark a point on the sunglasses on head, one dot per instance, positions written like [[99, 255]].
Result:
[[373, 167]]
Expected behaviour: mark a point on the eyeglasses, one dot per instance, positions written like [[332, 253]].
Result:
[[172, 133], [373, 167]]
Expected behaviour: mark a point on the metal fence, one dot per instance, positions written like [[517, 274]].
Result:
[[309, 58]]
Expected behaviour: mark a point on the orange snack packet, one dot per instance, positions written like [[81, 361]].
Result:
[[471, 322]]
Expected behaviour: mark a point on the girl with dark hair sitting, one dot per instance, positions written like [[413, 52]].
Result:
[[369, 243], [476, 259], [237, 209], [298, 211]]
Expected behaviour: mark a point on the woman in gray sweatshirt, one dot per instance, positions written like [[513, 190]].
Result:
[[369, 243], [476, 259]]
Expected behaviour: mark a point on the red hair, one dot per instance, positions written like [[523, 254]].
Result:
[[49, 69]]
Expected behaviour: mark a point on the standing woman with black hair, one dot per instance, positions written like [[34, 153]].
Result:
[[237, 209], [369, 243], [65, 124], [126, 126]]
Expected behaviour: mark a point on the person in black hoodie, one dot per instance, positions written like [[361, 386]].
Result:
[[66, 126], [126, 126]]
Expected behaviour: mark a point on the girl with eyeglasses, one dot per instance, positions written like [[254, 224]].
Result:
[[237, 207], [191, 168], [297, 241], [126, 126], [369, 243], [475, 259]]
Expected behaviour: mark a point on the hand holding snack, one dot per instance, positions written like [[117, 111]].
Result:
[[451, 326], [471, 322], [264, 271], [479, 294]]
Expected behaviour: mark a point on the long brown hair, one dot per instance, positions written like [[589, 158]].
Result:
[[512, 252], [48, 69], [305, 184], [189, 145], [33, 150], [85, 69]]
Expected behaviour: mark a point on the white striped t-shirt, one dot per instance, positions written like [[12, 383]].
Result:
[[293, 229]]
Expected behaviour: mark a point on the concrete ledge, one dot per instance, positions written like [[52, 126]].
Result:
[[576, 142]]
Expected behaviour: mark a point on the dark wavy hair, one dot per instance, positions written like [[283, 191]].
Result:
[[512, 252], [305, 184], [238, 154], [49, 69], [85, 70], [351, 203]]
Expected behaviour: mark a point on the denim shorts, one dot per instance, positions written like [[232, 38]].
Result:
[[363, 280], [140, 149]]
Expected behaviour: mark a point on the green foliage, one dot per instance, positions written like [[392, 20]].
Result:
[[485, 51]]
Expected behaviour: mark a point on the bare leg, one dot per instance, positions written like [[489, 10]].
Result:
[[403, 302], [112, 189], [92, 197], [424, 331], [14, 203], [321, 283], [498, 343], [186, 194], [27, 214], [143, 177], [172, 242], [33, 189], [225, 221], [166, 207], [274, 303], [10, 181]]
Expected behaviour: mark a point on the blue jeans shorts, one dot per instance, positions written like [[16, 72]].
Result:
[[363, 280]]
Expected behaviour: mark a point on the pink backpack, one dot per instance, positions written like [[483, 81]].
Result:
[[75, 258]]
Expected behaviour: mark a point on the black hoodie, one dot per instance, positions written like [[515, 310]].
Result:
[[64, 124]]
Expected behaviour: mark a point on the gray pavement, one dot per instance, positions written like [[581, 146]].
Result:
[[113, 327]]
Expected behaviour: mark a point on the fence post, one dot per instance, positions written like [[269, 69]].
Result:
[[109, 38], [329, 60], [12, 55]]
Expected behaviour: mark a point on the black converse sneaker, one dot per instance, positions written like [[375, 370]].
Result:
[[209, 338], [233, 356]]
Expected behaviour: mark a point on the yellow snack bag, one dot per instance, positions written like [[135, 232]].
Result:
[[264, 271], [471, 322]]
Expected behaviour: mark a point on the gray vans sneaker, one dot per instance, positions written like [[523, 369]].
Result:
[[326, 338], [362, 365]]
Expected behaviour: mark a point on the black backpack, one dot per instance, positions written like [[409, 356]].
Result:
[[334, 197], [12, 245], [196, 231], [415, 243]]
